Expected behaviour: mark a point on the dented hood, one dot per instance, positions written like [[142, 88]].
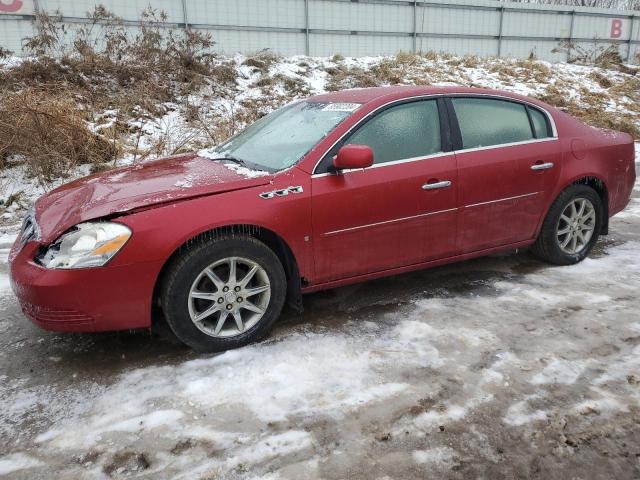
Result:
[[139, 186]]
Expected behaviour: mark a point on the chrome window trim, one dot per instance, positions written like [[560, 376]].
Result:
[[380, 165], [554, 130], [360, 227], [506, 145]]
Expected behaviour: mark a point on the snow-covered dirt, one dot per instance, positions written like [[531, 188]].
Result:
[[501, 367]]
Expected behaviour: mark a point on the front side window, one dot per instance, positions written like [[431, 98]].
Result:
[[405, 131], [485, 122], [282, 138]]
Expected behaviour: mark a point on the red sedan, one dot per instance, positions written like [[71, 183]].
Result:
[[332, 190]]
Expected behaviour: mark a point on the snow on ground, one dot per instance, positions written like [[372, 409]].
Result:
[[6, 240], [16, 462]]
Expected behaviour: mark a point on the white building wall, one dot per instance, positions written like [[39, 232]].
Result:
[[365, 27]]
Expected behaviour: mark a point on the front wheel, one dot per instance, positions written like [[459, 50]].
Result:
[[571, 227], [224, 293]]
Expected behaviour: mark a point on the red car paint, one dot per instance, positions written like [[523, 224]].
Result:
[[341, 229]]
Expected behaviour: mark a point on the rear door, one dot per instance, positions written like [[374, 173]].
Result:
[[506, 156], [400, 211]]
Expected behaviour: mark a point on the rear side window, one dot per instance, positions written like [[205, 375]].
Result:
[[404, 131], [485, 122], [540, 123]]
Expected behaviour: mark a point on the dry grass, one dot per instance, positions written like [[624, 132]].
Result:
[[600, 79], [50, 133], [341, 77], [294, 87], [628, 88], [262, 60], [105, 66], [592, 110]]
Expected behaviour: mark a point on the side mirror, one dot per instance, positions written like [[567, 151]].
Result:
[[353, 156]]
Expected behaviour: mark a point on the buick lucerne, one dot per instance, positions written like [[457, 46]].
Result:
[[331, 190]]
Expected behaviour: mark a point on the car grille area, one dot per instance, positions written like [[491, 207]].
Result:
[[56, 317]]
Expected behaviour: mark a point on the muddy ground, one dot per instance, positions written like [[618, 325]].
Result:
[[501, 367]]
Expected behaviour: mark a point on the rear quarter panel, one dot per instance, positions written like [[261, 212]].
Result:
[[625, 175], [600, 154]]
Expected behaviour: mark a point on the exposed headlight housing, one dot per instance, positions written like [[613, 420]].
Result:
[[90, 244], [29, 230]]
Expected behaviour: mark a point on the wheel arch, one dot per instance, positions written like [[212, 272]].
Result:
[[593, 181], [270, 238], [600, 186]]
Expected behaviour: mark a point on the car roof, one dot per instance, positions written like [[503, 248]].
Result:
[[397, 92]]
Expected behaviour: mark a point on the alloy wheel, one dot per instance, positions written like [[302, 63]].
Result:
[[229, 297], [576, 226]]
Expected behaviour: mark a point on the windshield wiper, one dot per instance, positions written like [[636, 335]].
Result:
[[231, 158], [241, 162]]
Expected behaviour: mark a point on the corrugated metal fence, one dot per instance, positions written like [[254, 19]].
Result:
[[362, 27]]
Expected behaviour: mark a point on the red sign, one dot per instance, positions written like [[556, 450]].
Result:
[[616, 28], [10, 6]]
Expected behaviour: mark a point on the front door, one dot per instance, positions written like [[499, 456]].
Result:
[[400, 211]]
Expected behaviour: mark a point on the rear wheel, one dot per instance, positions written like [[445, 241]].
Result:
[[571, 227], [223, 294]]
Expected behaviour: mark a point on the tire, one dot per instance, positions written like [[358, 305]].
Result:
[[548, 245], [199, 281]]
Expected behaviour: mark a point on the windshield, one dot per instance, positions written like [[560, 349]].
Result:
[[283, 137]]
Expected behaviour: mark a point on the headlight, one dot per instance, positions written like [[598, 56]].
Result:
[[88, 245]]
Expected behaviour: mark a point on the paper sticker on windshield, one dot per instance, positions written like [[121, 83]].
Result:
[[341, 107]]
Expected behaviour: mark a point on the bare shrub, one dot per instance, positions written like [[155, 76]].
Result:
[[49, 37], [603, 81], [103, 56], [342, 77], [50, 133], [407, 58], [107, 66], [591, 110], [470, 61], [261, 60], [430, 55], [391, 71], [264, 81], [224, 73], [604, 56], [556, 97], [628, 87], [293, 86], [604, 119], [609, 57]]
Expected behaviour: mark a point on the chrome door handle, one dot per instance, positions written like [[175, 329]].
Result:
[[542, 166], [433, 186]]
